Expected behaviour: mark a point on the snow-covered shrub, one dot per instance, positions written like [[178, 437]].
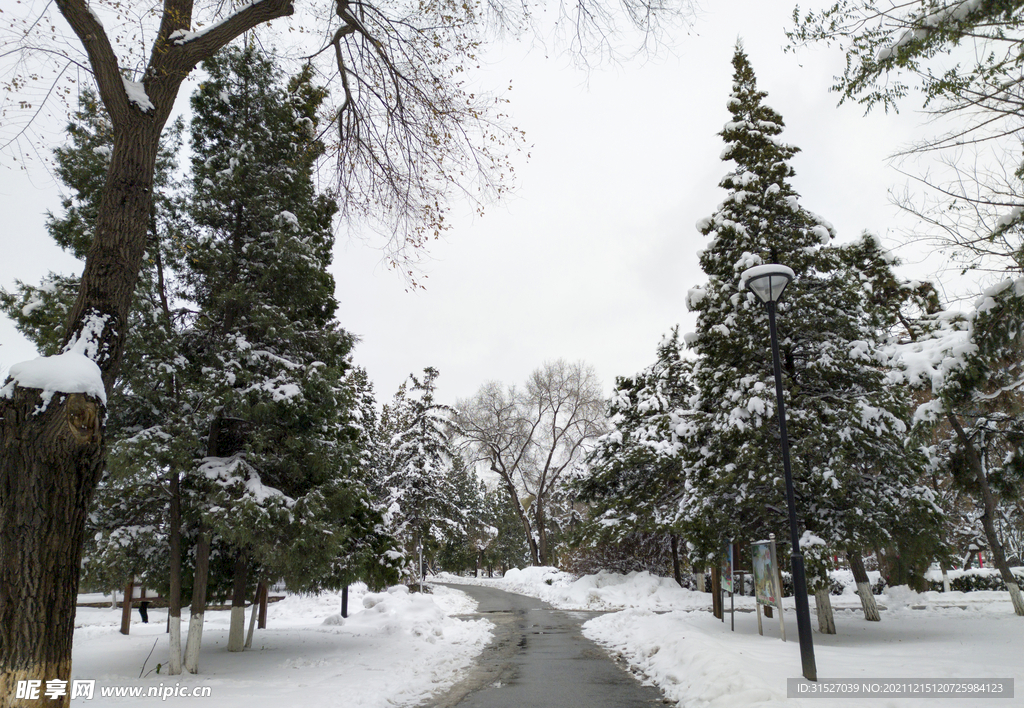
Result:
[[976, 579]]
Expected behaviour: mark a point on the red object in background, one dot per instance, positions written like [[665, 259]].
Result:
[[981, 563]]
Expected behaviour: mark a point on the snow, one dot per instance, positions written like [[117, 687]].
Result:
[[137, 95], [400, 651], [668, 636], [694, 297], [765, 269], [822, 233], [70, 372], [232, 471]]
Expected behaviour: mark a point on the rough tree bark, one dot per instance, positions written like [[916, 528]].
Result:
[[826, 618], [50, 462], [860, 576]]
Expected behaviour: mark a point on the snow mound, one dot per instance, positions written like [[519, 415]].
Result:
[[688, 658], [70, 372], [603, 591], [400, 612]]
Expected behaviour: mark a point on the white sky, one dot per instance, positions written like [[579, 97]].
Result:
[[592, 256]]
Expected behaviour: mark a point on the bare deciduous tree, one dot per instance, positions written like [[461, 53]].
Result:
[[532, 437]]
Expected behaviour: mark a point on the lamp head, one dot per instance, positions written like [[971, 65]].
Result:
[[767, 281]]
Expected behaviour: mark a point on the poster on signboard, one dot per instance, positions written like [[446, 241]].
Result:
[[764, 573], [728, 557]]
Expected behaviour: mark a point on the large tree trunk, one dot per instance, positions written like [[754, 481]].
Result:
[[174, 600], [987, 519], [198, 607], [860, 576], [51, 457], [50, 462], [236, 633]]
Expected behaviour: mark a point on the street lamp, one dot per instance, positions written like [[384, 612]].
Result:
[[767, 282]]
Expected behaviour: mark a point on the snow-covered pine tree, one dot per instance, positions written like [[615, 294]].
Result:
[[973, 363], [509, 548], [852, 471], [634, 473], [464, 546], [422, 499], [264, 346], [368, 550]]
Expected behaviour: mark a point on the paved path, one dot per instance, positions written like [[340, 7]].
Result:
[[540, 659]]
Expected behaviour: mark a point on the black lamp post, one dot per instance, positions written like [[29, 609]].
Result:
[[767, 282]]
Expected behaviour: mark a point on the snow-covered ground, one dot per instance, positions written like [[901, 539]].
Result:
[[668, 636], [394, 649]]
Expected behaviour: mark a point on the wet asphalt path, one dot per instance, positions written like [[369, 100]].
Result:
[[540, 659]]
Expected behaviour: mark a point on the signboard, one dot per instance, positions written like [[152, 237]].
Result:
[[767, 580], [728, 563], [764, 573]]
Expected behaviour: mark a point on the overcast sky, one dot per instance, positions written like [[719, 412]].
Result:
[[592, 256]]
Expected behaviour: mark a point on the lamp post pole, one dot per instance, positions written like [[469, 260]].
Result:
[[803, 614]]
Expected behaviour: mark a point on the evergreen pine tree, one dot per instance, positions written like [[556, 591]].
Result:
[[464, 546], [972, 363], [422, 499], [852, 471], [634, 471], [509, 548], [281, 466]]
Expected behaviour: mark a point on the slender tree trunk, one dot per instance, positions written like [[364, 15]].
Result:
[[826, 619], [945, 576], [126, 608], [253, 613], [174, 599], [541, 531], [264, 590], [968, 560], [860, 576], [524, 517], [677, 571], [50, 462], [198, 607], [988, 518], [236, 633], [716, 593]]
